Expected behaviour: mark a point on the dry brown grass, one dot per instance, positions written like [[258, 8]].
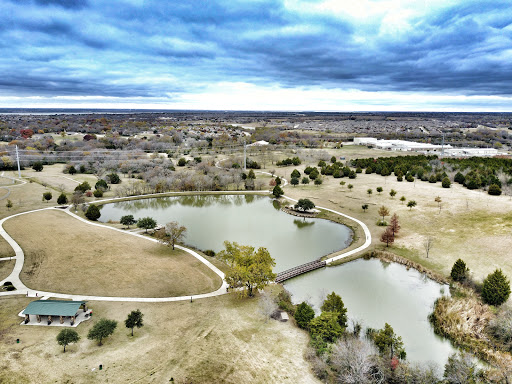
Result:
[[217, 340], [5, 249], [65, 255], [6, 268], [471, 225]]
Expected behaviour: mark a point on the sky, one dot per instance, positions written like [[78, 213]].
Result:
[[303, 55]]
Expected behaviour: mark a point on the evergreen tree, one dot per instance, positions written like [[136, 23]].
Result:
[[459, 270], [496, 288], [304, 314], [93, 212], [334, 303]]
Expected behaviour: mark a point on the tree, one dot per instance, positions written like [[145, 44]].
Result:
[[37, 166], [72, 170], [248, 269], [295, 173], [353, 360], [369, 191], [103, 328], [8, 205], [438, 201], [47, 196], [387, 341], [496, 288], [85, 186], [379, 190], [182, 162], [460, 369], [334, 303], [127, 220], [365, 207], [294, 181], [459, 270], [62, 199], [113, 178], [325, 327], [93, 212], [387, 236], [278, 180], [394, 225], [146, 223], [459, 178], [445, 183], [304, 205], [428, 244], [318, 181], [101, 184], [277, 192], [411, 204], [383, 211], [402, 199], [134, 319], [98, 193], [494, 189], [172, 233], [305, 180], [304, 314], [77, 198], [392, 193], [333, 159], [66, 337], [350, 186], [251, 175]]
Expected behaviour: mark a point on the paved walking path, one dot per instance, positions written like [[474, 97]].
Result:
[[22, 289]]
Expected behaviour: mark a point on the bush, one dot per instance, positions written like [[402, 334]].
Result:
[[305, 180], [496, 288], [459, 270], [209, 252], [85, 186], [182, 162], [459, 178], [101, 184], [98, 193], [304, 314], [93, 212], [446, 183], [277, 191], [37, 166], [10, 288], [113, 178], [62, 199], [318, 181], [294, 181], [494, 190], [382, 223], [47, 196]]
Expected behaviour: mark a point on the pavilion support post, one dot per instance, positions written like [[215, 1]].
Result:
[[27, 318], [61, 320], [38, 317], [49, 318], [72, 320], [85, 307]]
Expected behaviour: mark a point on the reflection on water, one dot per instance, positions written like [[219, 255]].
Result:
[[375, 293], [247, 219]]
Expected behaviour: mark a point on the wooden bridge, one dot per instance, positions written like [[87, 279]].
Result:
[[299, 270]]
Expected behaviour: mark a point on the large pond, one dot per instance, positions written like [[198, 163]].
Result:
[[246, 219], [374, 292]]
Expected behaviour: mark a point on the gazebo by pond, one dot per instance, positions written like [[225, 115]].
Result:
[[68, 312]]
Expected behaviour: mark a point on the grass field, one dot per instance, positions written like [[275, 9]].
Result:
[[6, 268], [218, 340], [68, 256]]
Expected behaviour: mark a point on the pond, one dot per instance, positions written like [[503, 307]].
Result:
[[247, 219], [373, 292]]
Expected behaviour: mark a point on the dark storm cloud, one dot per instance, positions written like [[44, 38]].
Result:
[[153, 48]]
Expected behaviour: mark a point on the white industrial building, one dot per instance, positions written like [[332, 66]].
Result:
[[402, 145]]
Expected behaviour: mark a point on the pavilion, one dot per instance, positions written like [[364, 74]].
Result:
[[53, 309]]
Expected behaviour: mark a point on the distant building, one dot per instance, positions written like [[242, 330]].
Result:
[[258, 143], [468, 152]]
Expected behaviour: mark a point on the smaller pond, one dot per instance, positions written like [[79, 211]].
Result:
[[247, 219], [375, 293]]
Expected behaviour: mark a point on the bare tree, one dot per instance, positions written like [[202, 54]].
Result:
[[394, 224], [267, 305], [355, 361], [387, 236], [172, 233], [428, 244], [438, 201]]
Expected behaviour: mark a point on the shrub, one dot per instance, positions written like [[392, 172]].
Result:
[[305, 180], [62, 199], [72, 170], [459, 270], [318, 181], [446, 183], [496, 288], [278, 180], [88, 193], [98, 193], [182, 162], [294, 181], [382, 223], [494, 190], [432, 179], [113, 178], [10, 288], [304, 314], [277, 191], [85, 186], [209, 252], [295, 173], [459, 178], [93, 212], [101, 184], [47, 196], [37, 166]]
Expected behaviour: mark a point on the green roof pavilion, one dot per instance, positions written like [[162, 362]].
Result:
[[53, 308]]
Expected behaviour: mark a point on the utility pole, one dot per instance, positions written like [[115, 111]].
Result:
[[442, 146], [245, 157], [18, 161]]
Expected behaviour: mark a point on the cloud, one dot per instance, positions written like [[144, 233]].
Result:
[[153, 49]]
